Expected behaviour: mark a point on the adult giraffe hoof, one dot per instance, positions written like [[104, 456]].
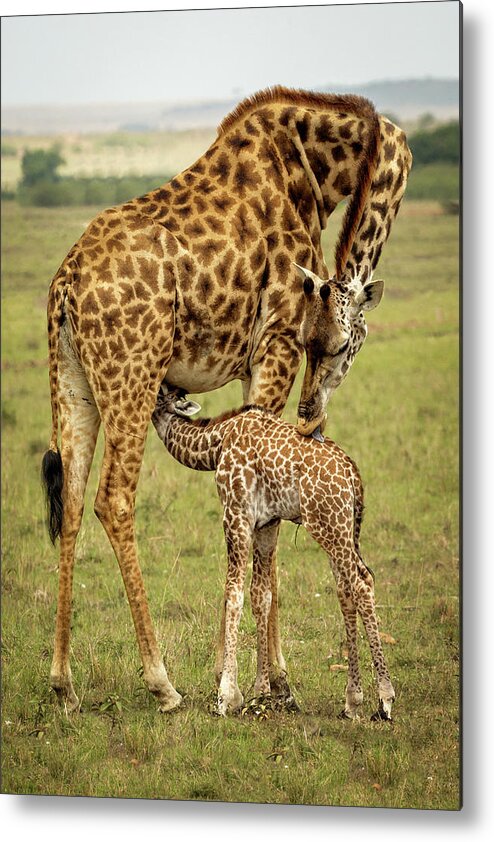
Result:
[[171, 702], [66, 696], [381, 715]]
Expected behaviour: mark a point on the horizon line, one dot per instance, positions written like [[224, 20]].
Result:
[[219, 99]]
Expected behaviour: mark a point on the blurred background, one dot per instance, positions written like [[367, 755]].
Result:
[[98, 108]]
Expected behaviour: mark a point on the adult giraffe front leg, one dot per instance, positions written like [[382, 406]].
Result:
[[115, 507], [79, 422]]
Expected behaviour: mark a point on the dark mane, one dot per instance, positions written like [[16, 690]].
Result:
[[353, 213], [357, 105]]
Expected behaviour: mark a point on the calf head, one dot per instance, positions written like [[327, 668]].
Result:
[[173, 401], [332, 332]]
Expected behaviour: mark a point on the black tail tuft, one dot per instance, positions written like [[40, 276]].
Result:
[[52, 479]]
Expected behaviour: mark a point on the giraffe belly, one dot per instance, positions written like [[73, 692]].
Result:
[[277, 501], [200, 377]]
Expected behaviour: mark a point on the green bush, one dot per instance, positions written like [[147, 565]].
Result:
[[51, 194], [437, 145], [8, 151], [87, 191], [40, 166], [42, 186]]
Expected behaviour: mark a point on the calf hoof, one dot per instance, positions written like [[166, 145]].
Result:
[[229, 702], [346, 714], [280, 691]]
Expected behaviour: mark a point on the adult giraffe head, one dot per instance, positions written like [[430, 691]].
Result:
[[332, 332]]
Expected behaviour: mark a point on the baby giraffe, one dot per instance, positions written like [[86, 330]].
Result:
[[266, 472]]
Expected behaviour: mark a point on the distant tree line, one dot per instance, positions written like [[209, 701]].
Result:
[[439, 145], [436, 155], [435, 173], [42, 185]]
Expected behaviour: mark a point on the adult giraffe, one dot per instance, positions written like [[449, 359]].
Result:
[[193, 283]]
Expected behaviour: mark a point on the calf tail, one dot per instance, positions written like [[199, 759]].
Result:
[[358, 515]]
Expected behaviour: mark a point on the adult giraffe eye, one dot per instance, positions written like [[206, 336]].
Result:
[[308, 285], [325, 292], [343, 348]]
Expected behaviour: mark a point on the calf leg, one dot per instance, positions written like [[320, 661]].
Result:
[[364, 597], [260, 595], [238, 534], [277, 666], [354, 694], [356, 594], [274, 367], [355, 591]]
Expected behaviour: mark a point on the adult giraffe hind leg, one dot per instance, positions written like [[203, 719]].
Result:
[[121, 310], [80, 422]]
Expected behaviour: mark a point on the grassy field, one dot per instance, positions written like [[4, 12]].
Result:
[[397, 415]]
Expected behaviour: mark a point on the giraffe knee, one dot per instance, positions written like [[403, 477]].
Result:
[[234, 601], [112, 508], [261, 602]]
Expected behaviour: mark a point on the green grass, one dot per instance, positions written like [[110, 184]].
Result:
[[397, 415]]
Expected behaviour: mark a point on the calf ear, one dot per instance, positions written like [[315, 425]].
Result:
[[185, 407], [370, 295]]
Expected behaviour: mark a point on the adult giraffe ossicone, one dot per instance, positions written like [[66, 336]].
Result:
[[194, 283]]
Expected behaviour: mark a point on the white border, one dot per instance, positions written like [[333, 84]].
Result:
[[46, 818]]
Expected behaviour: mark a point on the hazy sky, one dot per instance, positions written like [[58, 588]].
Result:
[[168, 56]]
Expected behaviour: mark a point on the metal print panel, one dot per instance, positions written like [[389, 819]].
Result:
[[269, 239]]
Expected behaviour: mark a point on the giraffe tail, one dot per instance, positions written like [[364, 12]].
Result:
[[52, 480], [51, 466], [358, 514]]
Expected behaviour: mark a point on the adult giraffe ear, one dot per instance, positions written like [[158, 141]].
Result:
[[186, 408], [306, 277], [370, 295]]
